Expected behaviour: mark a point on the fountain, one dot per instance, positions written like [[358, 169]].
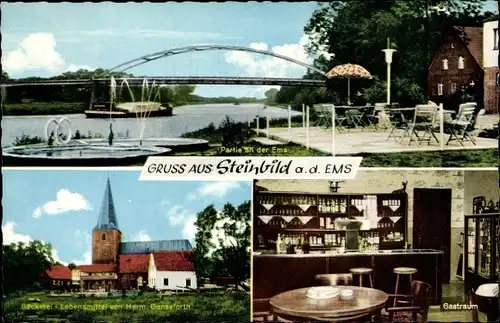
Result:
[[61, 150], [150, 97]]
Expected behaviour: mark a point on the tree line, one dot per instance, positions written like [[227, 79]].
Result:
[[40, 98], [356, 31]]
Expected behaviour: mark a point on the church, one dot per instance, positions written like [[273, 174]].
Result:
[[118, 265]]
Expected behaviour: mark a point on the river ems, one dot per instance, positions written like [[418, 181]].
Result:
[[185, 119]]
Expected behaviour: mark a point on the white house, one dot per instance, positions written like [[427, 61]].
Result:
[[490, 65], [171, 271]]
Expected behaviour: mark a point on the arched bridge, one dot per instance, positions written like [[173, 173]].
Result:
[[223, 80]]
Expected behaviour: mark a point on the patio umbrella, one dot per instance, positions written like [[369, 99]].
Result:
[[349, 71]]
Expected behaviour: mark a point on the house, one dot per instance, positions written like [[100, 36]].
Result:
[[133, 270], [98, 276], [125, 265], [58, 278], [490, 64], [457, 70], [171, 271]]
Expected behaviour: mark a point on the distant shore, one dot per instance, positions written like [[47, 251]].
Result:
[[57, 108]]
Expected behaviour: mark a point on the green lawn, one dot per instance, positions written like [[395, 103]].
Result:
[[148, 307]]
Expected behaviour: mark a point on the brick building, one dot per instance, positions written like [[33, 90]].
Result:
[[456, 69], [490, 64]]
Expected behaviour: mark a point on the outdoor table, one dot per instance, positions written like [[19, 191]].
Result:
[[294, 305], [353, 118]]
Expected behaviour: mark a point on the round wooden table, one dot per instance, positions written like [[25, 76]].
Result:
[[295, 305]]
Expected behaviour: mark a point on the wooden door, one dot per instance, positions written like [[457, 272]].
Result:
[[432, 223]]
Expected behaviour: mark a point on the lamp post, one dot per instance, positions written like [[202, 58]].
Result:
[[388, 59]]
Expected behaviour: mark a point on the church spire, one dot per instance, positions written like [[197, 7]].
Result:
[[107, 216]]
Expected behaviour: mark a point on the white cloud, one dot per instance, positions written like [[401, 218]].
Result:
[[252, 64], [142, 236], [65, 202], [11, 236], [37, 51], [189, 230], [215, 189], [177, 214], [87, 259]]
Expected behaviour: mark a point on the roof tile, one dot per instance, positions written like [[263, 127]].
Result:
[[133, 263], [98, 268], [173, 261], [59, 272]]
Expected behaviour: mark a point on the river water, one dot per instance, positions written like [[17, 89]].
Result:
[[186, 119]]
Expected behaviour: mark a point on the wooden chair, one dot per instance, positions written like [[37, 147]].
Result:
[[416, 311], [261, 310], [333, 279]]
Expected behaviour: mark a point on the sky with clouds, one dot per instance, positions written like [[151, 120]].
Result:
[[46, 39], [62, 207]]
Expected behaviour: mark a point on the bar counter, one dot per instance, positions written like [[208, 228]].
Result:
[[278, 273]]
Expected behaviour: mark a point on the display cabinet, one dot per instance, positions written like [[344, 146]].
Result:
[[296, 222], [480, 246]]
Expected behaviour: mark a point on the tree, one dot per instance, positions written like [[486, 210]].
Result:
[[271, 95], [223, 242], [71, 266], [24, 264]]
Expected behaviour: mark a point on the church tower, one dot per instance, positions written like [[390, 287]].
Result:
[[106, 237]]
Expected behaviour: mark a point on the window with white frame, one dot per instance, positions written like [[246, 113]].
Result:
[[440, 88], [461, 63], [188, 282], [453, 87], [445, 64], [165, 281]]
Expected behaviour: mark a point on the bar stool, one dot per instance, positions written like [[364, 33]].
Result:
[[360, 271], [403, 271]]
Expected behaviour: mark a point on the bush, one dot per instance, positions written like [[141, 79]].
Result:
[[233, 134], [27, 140]]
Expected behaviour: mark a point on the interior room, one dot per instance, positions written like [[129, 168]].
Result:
[[386, 231]]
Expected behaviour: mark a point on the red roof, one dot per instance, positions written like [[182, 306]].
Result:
[[173, 261], [473, 39], [98, 268], [59, 272], [133, 263]]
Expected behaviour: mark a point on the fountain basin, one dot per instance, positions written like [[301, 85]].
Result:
[[174, 144], [80, 155]]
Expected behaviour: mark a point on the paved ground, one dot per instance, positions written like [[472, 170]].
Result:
[[356, 142]]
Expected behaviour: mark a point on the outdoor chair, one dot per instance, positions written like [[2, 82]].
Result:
[[371, 117], [400, 122], [464, 124], [341, 118], [323, 116], [422, 128], [356, 117]]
